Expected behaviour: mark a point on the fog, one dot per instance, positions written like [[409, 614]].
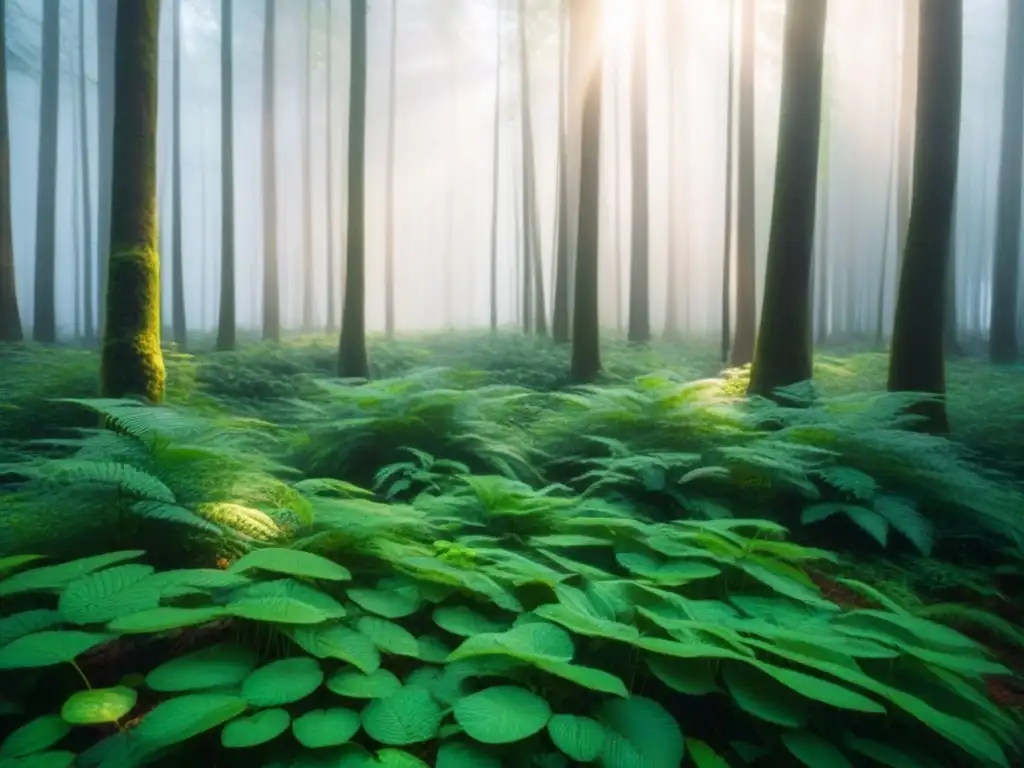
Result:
[[446, 61]]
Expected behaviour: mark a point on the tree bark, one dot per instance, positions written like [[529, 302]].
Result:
[[308, 275], [180, 327], [911, 11], [352, 359], [10, 316], [727, 238], [389, 193], [560, 311], [784, 352], [331, 279], [639, 331], [106, 32], [916, 362], [131, 363], [227, 324], [44, 309], [271, 288]]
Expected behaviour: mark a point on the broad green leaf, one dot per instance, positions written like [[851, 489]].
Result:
[[397, 758], [586, 677], [164, 619], [184, 717], [465, 622], [464, 754], [640, 732], [326, 727], [408, 716], [49, 647], [704, 756], [12, 563], [284, 681], [884, 754], [822, 690], [814, 751], [388, 636], [53, 577], [432, 649], [758, 694], [52, 759], [294, 562], [335, 641], [580, 738], [99, 597], [502, 714], [527, 642], [694, 677], [356, 685], [256, 729], [393, 598], [17, 625], [218, 666], [98, 705], [34, 736]]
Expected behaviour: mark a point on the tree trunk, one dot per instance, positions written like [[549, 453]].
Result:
[[76, 225], [560, 313], [331, 279], [746, 202], [639, 331], [308, 276], [908, 111], [727, 239], [784, 352], [44, 309], [495, 169], [88, 303], [1006, 273], [389, 193], [586, 33], [352, 360], [271, 287], [177, 266], [916, 361], [131, 363], [10, 317], [227, 325], [106, 31]]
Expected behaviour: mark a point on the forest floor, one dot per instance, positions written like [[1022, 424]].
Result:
[[876, 518]]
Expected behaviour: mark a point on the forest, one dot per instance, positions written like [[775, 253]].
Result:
[[511, 383]]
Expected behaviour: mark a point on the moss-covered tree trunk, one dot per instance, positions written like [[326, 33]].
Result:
[[44, 309], [560, 299], [178, 323], [10, 317], [352, 360], [586, 334], [916, 362], [1005, 288], [746, 202], [131, 363], [784, 352], [226, 321], [271, 290], [639, 329]]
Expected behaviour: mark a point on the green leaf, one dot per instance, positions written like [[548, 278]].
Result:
[[822, 690], [53, 577], [326, 727], [335, 641], [704, 756], [502, 714], [185, 717], [293, 562], [34, 736], [585, 677], [98, 705], [526, 642], [54, 759], [256, 729], [408, 716], [99, 597], [388, 636], [462, 754], [759, 695], [465, 622], [580, 738], [282, 682], [393, 598], [883, 754], [692, 677], [397, 758], [814, 751], [44, 649], [218, 666], [164, 619], [356, 685], [12, 563], [640, 732], [17, 625], [869, 521], [432, 649]]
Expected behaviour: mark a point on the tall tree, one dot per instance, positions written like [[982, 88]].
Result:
[[332, 293], [271, 288], [1003, 338], [639, 262], [389, 192], [910, 18], [179, 325], [916, 362], [746, 202], [352, 360], [308, 275], [44, 309], [106, 31], [226, 322], [10, 317], [560, 310], [586, 29], [131, 363], [495, 167], [784, 352], [88, 307], [727, 239]]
